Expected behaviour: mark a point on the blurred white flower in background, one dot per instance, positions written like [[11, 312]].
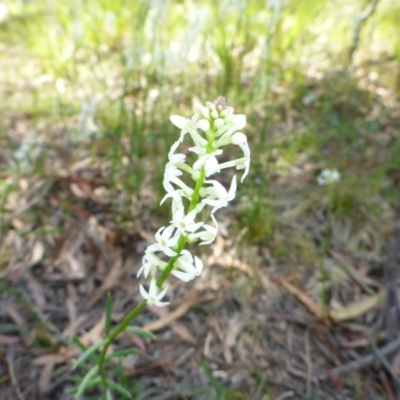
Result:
[[28, 153], [328, 176], [3, 12]]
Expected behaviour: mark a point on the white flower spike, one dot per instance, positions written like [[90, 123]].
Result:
[[211, 128]]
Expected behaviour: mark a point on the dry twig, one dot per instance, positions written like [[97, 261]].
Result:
[[368, 13], [363, 361]]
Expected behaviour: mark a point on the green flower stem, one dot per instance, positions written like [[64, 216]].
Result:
[[120, 327], [160, 281], [182, 240]]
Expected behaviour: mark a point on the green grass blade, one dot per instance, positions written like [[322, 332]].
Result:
[[119, 388], [217, 387], [141, 332], [108, 313], [122, 353], [108, 395], [88, 352], [86, 380]]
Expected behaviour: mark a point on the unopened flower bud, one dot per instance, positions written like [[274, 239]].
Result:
[[218, 123], [210, 106], [214, 114], [204, 125], [226, 112]]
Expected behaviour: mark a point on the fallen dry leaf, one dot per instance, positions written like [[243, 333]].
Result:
[[37, 253], [313, 307], [17, 318], [358, 308], [9, 340], [185, 305], [235, 326], [45, 376], [63, 355], [36, 291]]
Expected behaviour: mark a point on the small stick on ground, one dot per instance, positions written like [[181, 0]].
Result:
[[363, 361], [13, 378], [383, 361]]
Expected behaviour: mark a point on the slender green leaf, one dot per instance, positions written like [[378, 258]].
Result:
[[144, 395], [108, 313], [108, 395], [78, 342], [125, 381], [86, 380], [119, 388], [217, 387], [141, 332], [88, 352], [90, 385], [122, 353]]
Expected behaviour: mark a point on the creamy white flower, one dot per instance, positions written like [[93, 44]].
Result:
[[185, 223], [206, 236], [175, 158], [154, 295], [189, 126], [240, 140], [186, 268], [328, 176], [185, 190], [172, 167], [179, 121], [203, 111], [240, 163], [170, 171], [150, 264], [165, 242], [209, 162], [218, 197], [236, 123], [177, 201], [245, 166]]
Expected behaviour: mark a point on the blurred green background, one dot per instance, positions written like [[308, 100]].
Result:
[[96, 81]]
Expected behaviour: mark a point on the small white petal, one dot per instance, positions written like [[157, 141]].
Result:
[[183, 276], [178, 121]]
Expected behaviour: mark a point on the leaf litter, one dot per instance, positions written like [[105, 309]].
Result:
[[300, 328]]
